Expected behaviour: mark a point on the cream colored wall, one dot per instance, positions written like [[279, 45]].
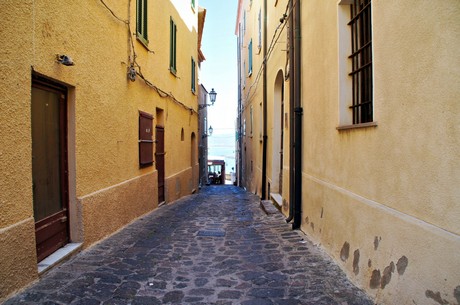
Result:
[[107, 186], [391, 191], [276, 64]]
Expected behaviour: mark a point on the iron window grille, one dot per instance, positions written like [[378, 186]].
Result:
[[361, 58]]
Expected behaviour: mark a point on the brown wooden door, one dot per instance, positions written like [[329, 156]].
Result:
[[49, 167], [160, 162]]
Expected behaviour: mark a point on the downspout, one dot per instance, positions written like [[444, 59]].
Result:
[[240, 138], [298, 119], [291, 114], [264, 147]]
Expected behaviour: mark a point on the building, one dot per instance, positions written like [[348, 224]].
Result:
[[99, 122], [203, 133], [351, 125]]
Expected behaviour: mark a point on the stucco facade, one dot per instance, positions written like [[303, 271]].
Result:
[[107, 187], [381, 198]]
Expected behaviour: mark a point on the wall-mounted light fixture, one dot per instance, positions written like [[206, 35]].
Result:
[[132, 73], [65, 60], [212, 98], [210, 130]]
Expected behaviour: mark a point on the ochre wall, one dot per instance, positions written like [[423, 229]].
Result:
[[389, 192], [107, 188], [17, 233]]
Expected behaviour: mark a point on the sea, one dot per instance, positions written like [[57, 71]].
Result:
[[222, 146]]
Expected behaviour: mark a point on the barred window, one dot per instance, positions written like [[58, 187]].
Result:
[[361, 58]]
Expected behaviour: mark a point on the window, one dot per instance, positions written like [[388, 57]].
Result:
[[361, 61], [250, 58], [145, 139], [193, 76], [141, 21], [172, 47]]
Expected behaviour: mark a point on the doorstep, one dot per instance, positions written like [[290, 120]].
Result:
[[58, 256], [277, 199]]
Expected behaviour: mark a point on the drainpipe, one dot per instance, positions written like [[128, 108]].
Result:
[[239, 159], [298, 118], [295, 117], [264, 147], [291, 115]]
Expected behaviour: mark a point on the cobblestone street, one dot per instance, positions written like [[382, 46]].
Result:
[[214, 247]]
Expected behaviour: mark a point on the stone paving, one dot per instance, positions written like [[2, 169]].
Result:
[[214, 247]]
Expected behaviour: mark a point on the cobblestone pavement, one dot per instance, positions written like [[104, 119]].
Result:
[[214, 247]]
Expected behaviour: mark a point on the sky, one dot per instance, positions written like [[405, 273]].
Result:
[[219, 70]]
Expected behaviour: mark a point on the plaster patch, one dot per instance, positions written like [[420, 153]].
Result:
[[386, 278], [436, 296], [377, 242], [457, 294], [375, 279], [345, 252], [401, 265], [356, 262]]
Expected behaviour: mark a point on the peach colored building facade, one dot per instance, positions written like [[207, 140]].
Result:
[[370, 141]]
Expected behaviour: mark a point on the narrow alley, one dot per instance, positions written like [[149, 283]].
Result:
[[214, 247]]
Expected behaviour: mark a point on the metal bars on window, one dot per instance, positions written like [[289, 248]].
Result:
[[361, 57]]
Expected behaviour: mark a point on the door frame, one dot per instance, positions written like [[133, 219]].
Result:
[[160, 162], [46, 229]]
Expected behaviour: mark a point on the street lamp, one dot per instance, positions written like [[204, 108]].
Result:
[[212, 98], [210, 130]]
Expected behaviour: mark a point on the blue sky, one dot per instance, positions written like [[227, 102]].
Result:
[[219, 70]]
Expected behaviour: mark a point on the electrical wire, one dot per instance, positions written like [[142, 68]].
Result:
[[133, 62], [283, 22]]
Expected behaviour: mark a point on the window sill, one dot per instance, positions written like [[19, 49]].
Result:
[[356, 126], [143, 41]]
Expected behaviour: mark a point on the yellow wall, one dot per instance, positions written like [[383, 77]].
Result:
[[383, 201], [252, 96], [17, 233], [107, 187], [395, 184]]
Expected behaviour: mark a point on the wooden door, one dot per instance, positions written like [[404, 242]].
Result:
[[49, 167], [160, 162]]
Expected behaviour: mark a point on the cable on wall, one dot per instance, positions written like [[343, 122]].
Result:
[[283, 22], [135, 69]]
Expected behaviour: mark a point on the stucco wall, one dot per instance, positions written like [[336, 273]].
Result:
[[107, 187], [389, 191], [17, 234], [18, 263], [108, 210]]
